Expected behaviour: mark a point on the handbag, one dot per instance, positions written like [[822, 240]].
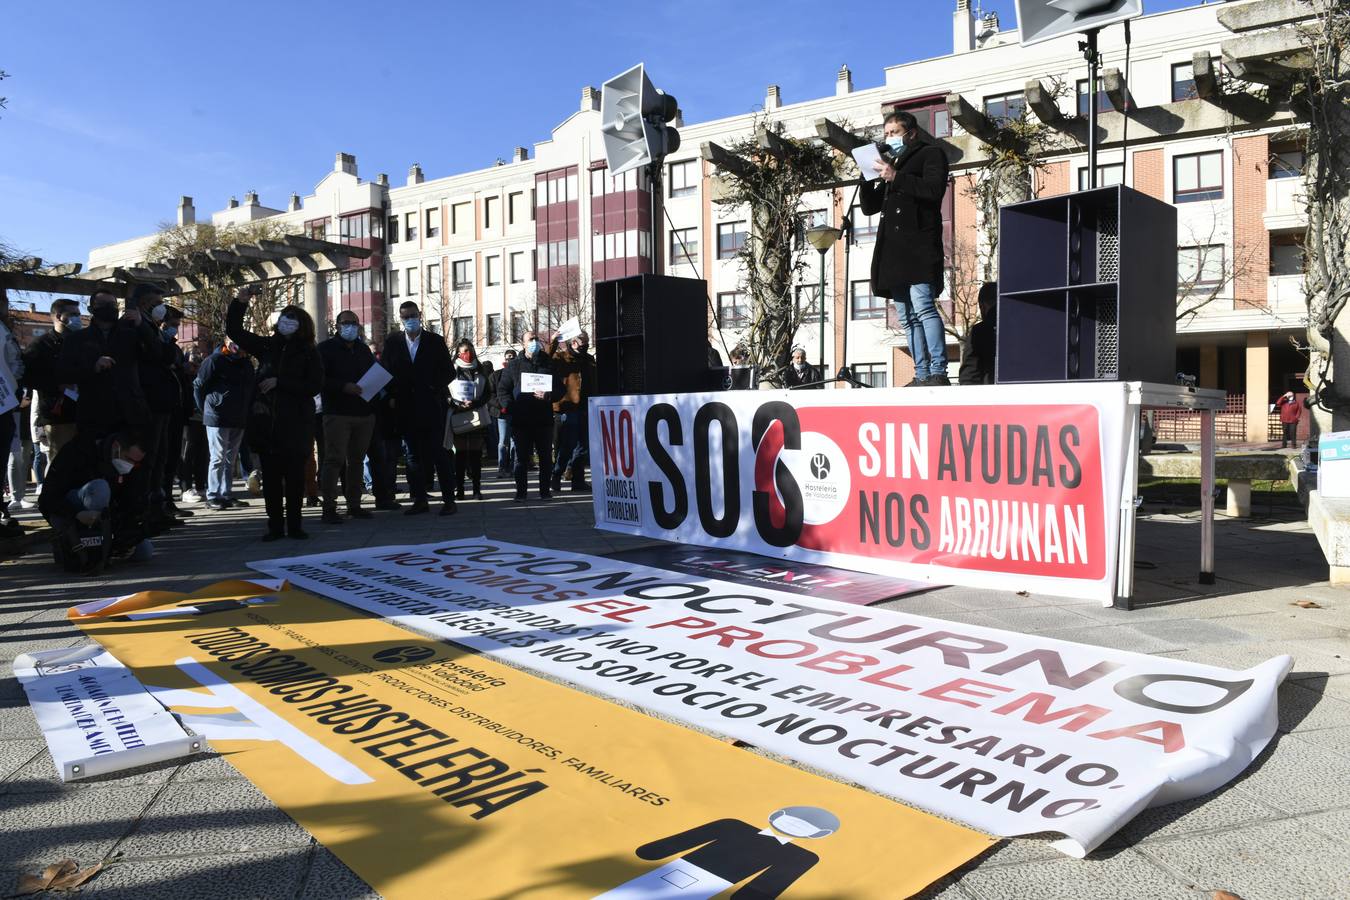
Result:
[[466, 420]]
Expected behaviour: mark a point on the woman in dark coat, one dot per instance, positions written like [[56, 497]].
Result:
[[281, 422], [468, 392]]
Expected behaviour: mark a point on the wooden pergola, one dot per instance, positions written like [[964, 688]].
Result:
[[263, 260]]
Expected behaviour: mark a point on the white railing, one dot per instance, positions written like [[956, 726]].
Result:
[[1284, 196], [1285, 292]]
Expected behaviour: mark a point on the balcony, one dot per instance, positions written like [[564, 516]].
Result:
[[1284, 205]]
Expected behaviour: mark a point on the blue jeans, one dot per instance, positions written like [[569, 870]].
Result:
[[505, 447], [95, 496], [223, 444], [572, 446], [923, 327]]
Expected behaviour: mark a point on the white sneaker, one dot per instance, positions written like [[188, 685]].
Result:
[[15, 506], [191, 497], [28, 504]]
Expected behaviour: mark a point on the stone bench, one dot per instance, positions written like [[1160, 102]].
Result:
[[1238, 469]]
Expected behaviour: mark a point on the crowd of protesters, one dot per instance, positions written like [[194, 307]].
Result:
[[114, 430]]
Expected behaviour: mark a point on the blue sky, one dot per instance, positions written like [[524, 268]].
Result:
[[117, 109]]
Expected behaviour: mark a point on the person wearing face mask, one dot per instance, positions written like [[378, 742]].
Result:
[[531, 413], [223, 393], [801, 374], [468, 395], [420, 364], [55, 407], [505, 449], [907, 260], [281, 417], [348, 418], [160, 386], [575, 368], [97, 479], [167, 473], [192, 469], [103, 360]]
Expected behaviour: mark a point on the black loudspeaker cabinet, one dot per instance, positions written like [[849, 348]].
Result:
[[651, 335], [1087, 288]]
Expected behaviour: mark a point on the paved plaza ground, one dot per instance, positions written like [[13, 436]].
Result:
[[199, 829]]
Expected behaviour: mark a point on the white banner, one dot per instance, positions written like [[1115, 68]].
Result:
[[984, 486], [1012, 734], [95, 715]]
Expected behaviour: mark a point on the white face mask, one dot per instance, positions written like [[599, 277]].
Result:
[[123, 466], [286, 326]]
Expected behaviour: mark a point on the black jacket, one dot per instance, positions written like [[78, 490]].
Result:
[[112, 398], [223, 390], [525, 409], [977, 353], [419, 383], [794, 379], [282, 420], [81, 461], [909, 240], [159, 381], [40, 365], [344, 362]]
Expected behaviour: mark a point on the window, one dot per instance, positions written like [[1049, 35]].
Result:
[[1107, 174], [317, 229], [873, 374], [1197, 176], [356, 282], [461, 274], [1005, 108], [461, 219], [394, 278], [494, 328], [493, 272], [1183, 82], [1199, 265], [433, 222], [393, 229], [684, 246], [515, 208], [865, 304], [1287, 164], [1103, 101], [731, 310], [434, 278], [932, 117], [519, 325], [491, 211], [355, 228], [942, 123], [810, 219], [864, 227], [1286, 255], [730, 239], [410, 226], [411, 281], [462, 328], [808, 301], [684, 178], [518, 267]]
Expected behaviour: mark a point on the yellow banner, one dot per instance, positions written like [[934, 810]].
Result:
[[434, 772]]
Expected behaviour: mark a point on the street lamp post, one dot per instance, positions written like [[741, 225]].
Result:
[[822, 237]]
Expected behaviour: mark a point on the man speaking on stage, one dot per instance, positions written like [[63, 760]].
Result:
[[907, 259]]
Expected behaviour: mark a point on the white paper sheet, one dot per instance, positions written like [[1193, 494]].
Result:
[[866, 156], [371, 383], [535, 381]]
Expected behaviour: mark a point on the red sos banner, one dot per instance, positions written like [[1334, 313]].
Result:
[[957, 486]]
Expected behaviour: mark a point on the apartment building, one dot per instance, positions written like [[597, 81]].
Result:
[[491, 252]]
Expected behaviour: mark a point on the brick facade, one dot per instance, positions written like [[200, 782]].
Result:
[[1053, 179], [1251, 241], [1148, 173]]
